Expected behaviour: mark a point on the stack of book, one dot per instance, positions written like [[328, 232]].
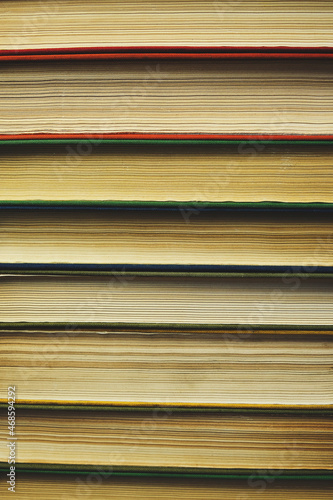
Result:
[[166, 250]]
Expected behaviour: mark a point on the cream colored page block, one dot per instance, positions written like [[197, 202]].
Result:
[[128, 299], [181, 237], [149, 23], [270, 97], [242, 174], [178, 440], [221, 369]]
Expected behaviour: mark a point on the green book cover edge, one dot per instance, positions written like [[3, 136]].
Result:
[[168, 274], [181, 472], [192, 205], [100, 140]]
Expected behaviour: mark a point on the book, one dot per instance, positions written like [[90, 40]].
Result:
[[282, 96], [100, 483], [190, 236], [188, 175], [146, 367], [175, 300], [192, 442], [192, 341], [165, 23]]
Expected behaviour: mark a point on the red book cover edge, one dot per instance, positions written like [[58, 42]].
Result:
[[166, 52]]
